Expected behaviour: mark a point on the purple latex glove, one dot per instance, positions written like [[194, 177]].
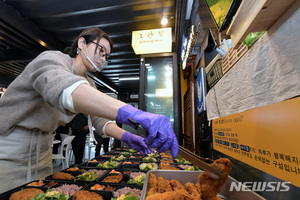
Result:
[[159, 128], [136, 142]]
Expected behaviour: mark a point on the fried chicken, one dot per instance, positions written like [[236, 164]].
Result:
[[86, 195], [151, 191], [97, 187], [113, 179], [166, 156], [192, 190], [198, 187], [176, 185], [207, 188], [26, 194], [167, 166], [152, 184], [174, 195], [62, 175], [211, 187], [163, 185], [114, 172], [36, 184]]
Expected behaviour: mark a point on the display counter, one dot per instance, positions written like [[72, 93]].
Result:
[[124, 170]]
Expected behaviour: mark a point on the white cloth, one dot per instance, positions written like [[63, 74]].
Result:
[[23, 151], [92, 130], [67, 99], [268, 73]]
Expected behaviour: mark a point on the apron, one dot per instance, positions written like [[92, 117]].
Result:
[[25, 155]]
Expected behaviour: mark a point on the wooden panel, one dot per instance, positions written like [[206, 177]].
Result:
[[254, 16], [232, 56], [189, 117]]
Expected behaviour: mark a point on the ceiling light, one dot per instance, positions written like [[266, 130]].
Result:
[[164, 21], [132, 78]]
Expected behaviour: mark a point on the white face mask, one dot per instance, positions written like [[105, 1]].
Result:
[[95, 68]]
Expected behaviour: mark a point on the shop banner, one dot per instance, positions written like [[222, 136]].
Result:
[[266, 138], [152, 41]]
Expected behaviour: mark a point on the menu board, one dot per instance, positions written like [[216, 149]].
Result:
[[266, 138]]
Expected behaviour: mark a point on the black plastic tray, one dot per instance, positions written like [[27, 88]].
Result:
[[92, 184], [106, 195], [94, 165], [123, 181], [72, 173], [122, 186], [7, 194]]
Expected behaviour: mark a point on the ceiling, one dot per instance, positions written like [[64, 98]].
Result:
[[26, 24], [28, 27]]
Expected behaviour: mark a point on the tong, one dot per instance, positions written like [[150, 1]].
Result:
[[139, 128], [205, 164], [211, 170]]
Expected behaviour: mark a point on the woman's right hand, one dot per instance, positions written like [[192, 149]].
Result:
[[160, 132]]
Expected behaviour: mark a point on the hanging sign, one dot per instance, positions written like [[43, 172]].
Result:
[[152, 41], [266, 138]]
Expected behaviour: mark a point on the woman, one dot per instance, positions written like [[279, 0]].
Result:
[[49, 93]]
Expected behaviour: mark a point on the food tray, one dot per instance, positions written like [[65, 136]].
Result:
[[76, 174], [130, 186], [122, 171], [6, 195], [105, 194], [93, 165], [50, 177], [192, 176], [123, 181], [172, 165], [106, 185]]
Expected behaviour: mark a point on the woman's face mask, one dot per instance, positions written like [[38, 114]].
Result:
[[102, 53]]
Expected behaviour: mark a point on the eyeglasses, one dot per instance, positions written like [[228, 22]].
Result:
[[102, 51]]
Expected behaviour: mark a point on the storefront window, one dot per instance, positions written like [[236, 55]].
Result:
[[159, 86]]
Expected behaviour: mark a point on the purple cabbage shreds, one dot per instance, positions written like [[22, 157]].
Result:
[[125, 190], [135, 174], [99, 172], [184, 166], [67, 189]]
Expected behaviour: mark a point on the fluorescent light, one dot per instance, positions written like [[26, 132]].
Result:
[[151, 77], [101, 82], [129, 78], [150, 95]]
